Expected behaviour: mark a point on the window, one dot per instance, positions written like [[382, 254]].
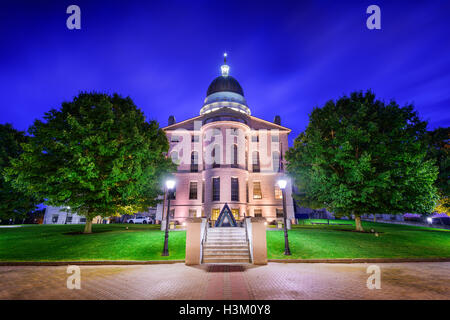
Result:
[[195, 138], [275, 138], [280, 213], [54, 218], [255, 161], [216, 189], [276, 161], [83, 220], [216, 157], [194, 161], [172, 194], [172, 213], [234, 154], [175, 159], [193, 190], [175, 138], [278, 193], [69, 219], [246, 191], [235, 213], [234, 189], [255, 138], [192, 213], [215, 214], [203, 191], [257, 190], [257, 213]]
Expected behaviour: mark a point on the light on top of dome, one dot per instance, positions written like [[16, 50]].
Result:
[[225, 69]]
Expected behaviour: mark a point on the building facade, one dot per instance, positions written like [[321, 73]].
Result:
[[227, 156]]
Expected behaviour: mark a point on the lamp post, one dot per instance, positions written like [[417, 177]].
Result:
[[282, 184], [170, 184]]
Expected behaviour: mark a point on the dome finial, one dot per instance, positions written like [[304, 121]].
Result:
[[224, 67]]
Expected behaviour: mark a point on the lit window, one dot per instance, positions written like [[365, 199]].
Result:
[[192, 213], [215, 214], [257, 213], [278, 193], [257, 194]]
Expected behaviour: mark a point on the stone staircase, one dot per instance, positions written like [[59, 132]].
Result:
[[226, 245]]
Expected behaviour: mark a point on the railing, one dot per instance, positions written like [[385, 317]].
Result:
[[247, 238], [205, 235]]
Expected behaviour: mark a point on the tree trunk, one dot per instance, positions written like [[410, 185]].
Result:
[[374, 218], [88, 226], [358, 223]]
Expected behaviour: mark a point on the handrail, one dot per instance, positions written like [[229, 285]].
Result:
[[205, 233], [245, 225], [246, 236]]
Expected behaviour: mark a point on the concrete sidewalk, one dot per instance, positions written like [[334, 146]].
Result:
[[428, 280]]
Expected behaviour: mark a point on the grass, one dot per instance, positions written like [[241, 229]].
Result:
[[336, 241], [145, 242], [108, 242]]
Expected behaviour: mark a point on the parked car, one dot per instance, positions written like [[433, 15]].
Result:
[[439, 220], [140, 219]]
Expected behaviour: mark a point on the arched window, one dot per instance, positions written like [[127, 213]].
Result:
[[174, 157], [234, 154], [276, 161], [255, 161], [194, 161]]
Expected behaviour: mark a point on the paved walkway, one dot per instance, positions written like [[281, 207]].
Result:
[[274, 281]]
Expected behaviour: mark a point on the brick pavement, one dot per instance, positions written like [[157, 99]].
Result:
[[274, 281]]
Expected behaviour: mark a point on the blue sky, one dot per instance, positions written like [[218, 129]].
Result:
[[289, 56]]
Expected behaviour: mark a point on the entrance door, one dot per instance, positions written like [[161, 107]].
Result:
[[226, 218]]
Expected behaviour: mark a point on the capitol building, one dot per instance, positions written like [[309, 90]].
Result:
[[227, 156]]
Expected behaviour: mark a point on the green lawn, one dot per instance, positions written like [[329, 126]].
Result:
[[108, 242], [145, 242], [336, 241]]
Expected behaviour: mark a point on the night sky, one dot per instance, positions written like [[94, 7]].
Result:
[[288, 56]]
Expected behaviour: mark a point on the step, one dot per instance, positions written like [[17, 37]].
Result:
[[229, 246], [225, 251], [227, 243], [225, 237], [226, 260], [225, 255]]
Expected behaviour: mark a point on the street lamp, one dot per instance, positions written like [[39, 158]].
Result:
[[282, 184], [170, 185]]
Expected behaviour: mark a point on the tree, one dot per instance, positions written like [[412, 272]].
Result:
[[359, 155], [13, 203], [96, 155], [438, 142]]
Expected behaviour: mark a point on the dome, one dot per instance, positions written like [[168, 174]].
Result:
[[225, 83]]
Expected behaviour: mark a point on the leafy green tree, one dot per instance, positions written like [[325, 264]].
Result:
[[438, 142], [359, 155], [95, 155], [13, 203]]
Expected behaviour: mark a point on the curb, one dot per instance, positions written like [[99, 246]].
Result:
[[361, 260], [86, 263], [133, 262]]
